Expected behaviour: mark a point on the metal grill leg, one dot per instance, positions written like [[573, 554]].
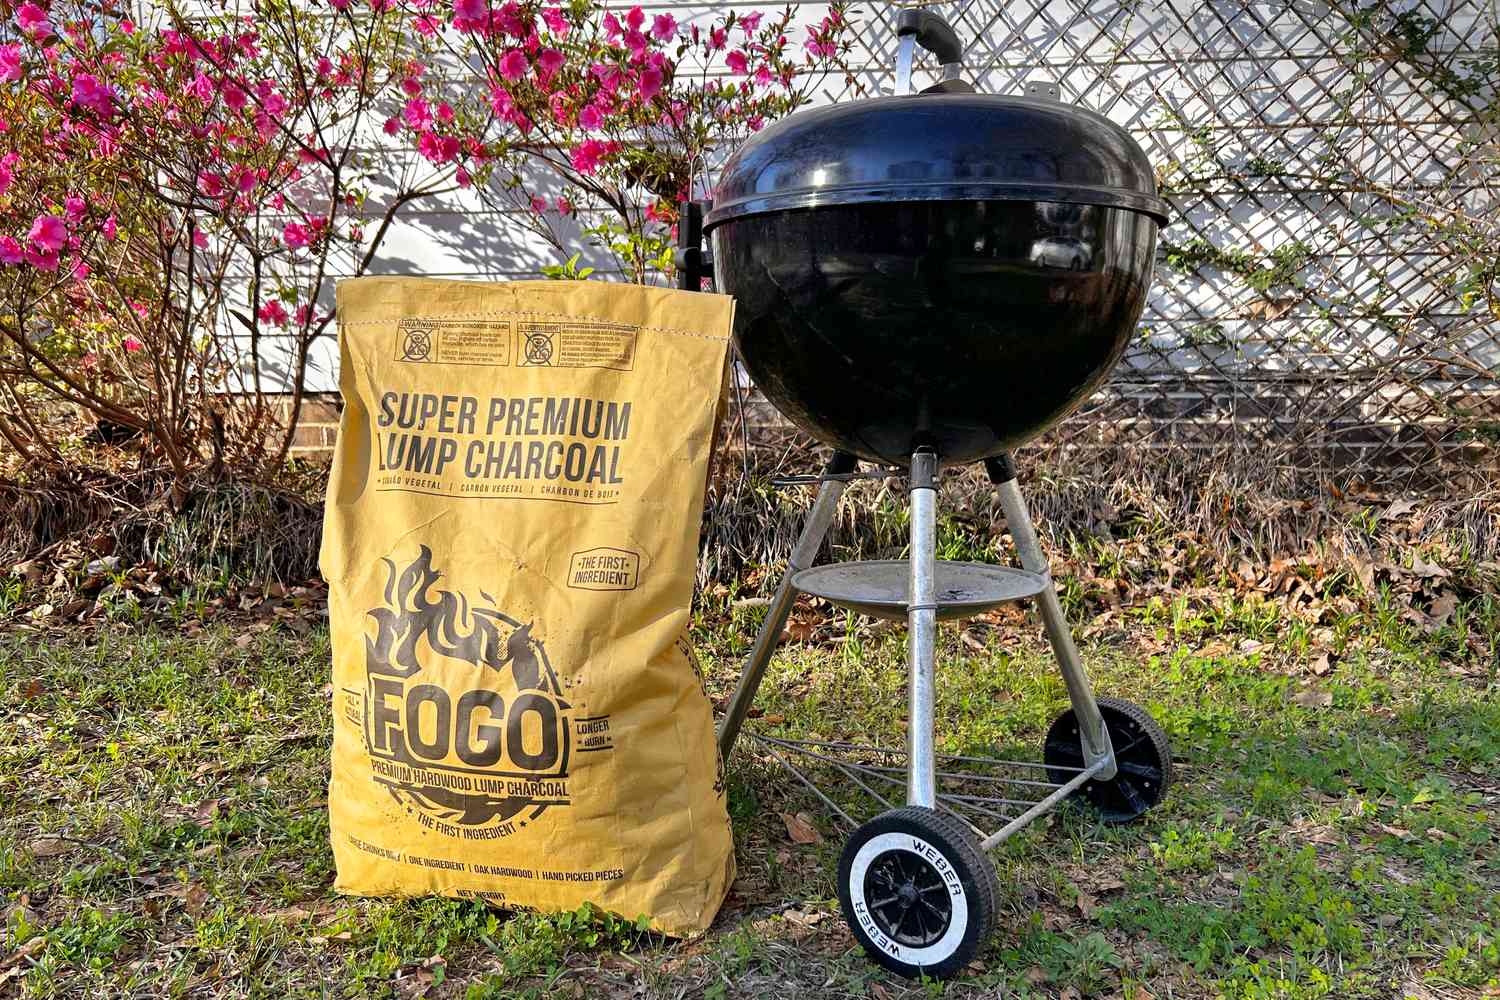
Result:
[[766, 640], [1096, 743], [921, 637]]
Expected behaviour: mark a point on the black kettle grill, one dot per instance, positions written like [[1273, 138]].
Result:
[[929, 280]]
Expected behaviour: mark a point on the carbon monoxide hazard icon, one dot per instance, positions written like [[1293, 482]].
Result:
[[416, 345], [538, 350]]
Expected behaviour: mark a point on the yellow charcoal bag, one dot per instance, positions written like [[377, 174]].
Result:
[[510, 539]]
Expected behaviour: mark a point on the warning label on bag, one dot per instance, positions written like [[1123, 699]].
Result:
[[576, 345], [454, 342]]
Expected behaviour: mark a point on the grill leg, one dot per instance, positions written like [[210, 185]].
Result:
[[1096, 742], [806, 550], [921, 634]]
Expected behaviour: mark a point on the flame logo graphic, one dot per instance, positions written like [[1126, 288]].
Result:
[[451, 627]]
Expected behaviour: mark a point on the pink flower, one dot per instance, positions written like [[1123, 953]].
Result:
[[428, 24], [271, 102], [548, 62], [132, 345], [508, 20], [6, 178], [10, 251], [737, 62], [763, 75], [663, 27], [471, 10], [635, 18], [49, 232], [650, 83], [110, 228], [428, 146], [586, 155], [417, 114], [750, 22], [411, 87], [608, 76], [201, 87], [717, 39], [235, 97], [10, 63], [564, 206], [462, 176], [42, 260], [589, 118], [612, 27], [74, 206], [273, 312], [445, 113], [513, 64], [538, 204], [296, 235], [557, 23], [392, 126], [243, 178], [339, 4], [33, 21]]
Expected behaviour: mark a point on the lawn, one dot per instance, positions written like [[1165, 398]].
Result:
[[1332, 832]]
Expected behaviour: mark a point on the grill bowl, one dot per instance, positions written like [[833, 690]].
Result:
[[968, 326]]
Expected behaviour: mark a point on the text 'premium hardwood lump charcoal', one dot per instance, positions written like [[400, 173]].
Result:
[[511, 530]]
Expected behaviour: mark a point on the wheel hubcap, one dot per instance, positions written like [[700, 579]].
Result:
[[1138, 782], [908, 899]]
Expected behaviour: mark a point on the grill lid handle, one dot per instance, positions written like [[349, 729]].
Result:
[[933, 33]]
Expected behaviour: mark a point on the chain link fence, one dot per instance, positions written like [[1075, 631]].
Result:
[[1326, 295]]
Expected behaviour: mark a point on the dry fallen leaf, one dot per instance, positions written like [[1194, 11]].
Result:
[[49, 847], [1443, 607], [1322, 666], [1399, 508], [1036, 975], [195, 900], [26, 950], [1313, 698], [1400, 833], [799, 630], [1087, 905], [804, 918], [801, 829], [1427, 570]]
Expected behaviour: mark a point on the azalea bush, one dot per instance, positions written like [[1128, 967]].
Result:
[[599, 121], [178, 192], [181, 184]]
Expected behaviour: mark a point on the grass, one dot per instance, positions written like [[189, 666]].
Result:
[[164, 830]]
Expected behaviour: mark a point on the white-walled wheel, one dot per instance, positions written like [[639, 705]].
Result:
[[917, 892]]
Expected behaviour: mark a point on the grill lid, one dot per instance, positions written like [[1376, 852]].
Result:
[[937, 147]]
